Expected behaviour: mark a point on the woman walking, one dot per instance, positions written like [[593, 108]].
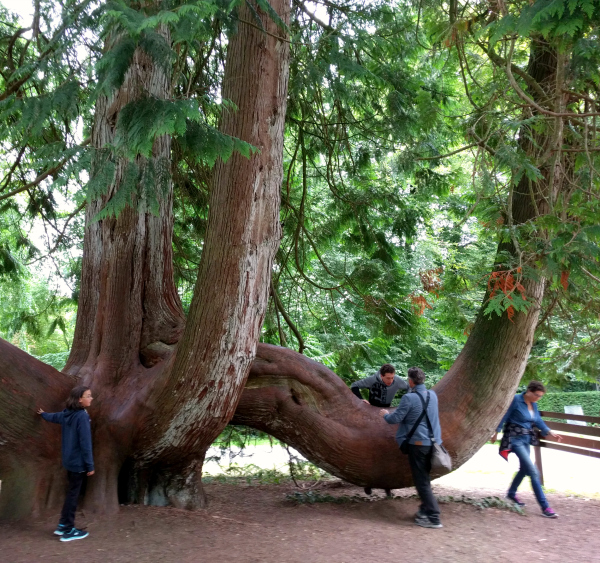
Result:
[[518, 423]]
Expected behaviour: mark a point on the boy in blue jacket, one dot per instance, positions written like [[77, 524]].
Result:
[[76, 455]]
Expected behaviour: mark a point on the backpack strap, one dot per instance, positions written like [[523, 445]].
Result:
[[431, 436], [423, 413]]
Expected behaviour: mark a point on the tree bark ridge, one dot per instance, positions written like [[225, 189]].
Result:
[[223, 326]]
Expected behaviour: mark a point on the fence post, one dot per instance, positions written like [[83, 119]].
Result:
[[538, 458]]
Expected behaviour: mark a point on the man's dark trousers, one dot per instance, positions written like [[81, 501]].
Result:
[[419, 458], [67, 516]]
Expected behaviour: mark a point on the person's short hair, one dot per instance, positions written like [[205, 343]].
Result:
[[387, 368], [417, 375], [74, 396], [536, 386]]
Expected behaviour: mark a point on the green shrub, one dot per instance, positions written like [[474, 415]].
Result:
[[556, 402]]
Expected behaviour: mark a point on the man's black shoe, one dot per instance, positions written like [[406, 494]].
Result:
[[427, 523]]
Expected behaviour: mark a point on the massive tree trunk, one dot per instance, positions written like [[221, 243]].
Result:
[[223, 327], [129, 316], [158, 409]]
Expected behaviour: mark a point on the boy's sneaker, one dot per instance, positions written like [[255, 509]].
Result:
[[515, 499], [60, 529], [549, 513], [74, 534], [427, 523], [420, 514]]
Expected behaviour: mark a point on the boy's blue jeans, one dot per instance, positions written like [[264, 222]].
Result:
[[527, 468]]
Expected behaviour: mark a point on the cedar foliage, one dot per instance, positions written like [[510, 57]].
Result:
[[404, 145]]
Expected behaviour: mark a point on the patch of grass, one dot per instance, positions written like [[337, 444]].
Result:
[[249, 474], [485, 502], [574, 494], [312, 497], [252, 474]]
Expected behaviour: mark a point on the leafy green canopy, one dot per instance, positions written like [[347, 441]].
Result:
[[54, 72], [410, 128], [359, 222]]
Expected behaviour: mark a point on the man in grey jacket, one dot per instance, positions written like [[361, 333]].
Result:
[[382, 385], [420, 447]]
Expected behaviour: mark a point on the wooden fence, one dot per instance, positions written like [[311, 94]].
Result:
[[571, 444]]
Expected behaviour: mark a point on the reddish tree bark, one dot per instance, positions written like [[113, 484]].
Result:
[[129, 315], [31, 479], [305, 405], [231, 295], [157, 411]]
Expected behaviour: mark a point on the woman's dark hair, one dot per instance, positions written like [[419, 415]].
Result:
[[74, 396], [417, 375], [386, 368], [536, 386]]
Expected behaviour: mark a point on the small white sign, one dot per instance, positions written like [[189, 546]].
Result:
[[575, 409]]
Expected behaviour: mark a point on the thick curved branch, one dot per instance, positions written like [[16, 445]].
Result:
[[304, 404]]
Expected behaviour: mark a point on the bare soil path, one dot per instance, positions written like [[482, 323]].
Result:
[[256, 524]]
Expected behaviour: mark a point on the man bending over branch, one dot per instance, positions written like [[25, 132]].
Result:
[[382, 385]]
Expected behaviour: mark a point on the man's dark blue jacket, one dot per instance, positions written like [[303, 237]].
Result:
[[76, 439]]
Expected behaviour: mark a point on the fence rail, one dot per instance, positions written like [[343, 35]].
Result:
[[572, 444]]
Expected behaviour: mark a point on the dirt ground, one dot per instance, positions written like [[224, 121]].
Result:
[[256, 524]]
